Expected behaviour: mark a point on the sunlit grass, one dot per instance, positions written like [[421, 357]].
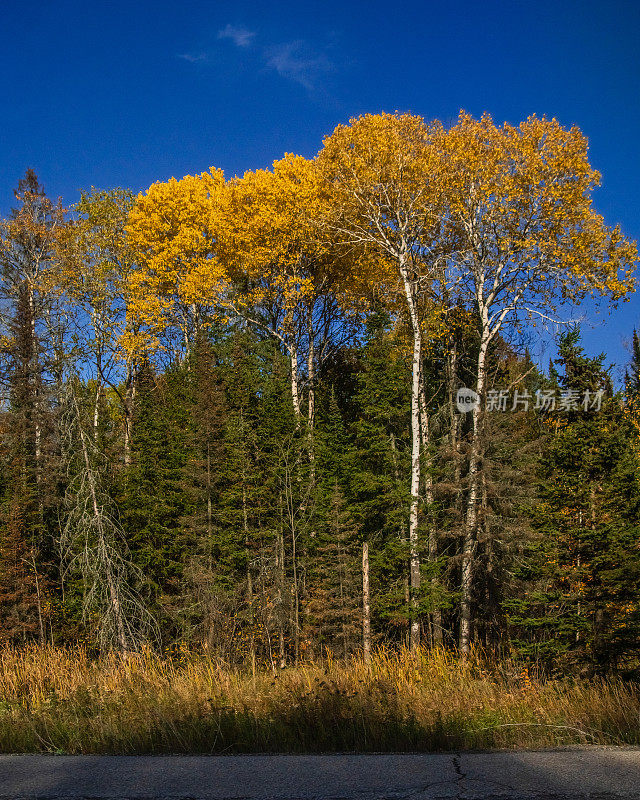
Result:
[[59, 700]]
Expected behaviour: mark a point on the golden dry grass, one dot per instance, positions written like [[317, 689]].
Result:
[[59, 700]]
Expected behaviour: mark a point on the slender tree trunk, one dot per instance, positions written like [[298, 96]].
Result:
[[473, 501], [35, 372], [341, 587], [489, 639], [599, 613], [414, 555], [311, 371], [366, 604], [34, 367], [396, 475], [436, 615], [245, 529], [295, 392], [295, 588], [39, 598], [403, 525], [578, 570], [96, 411], [209, 500], [454, 418], [129, 400], [280, 577], [311, 409]]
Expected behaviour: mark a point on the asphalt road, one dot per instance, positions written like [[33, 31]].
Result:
[[604, 773]]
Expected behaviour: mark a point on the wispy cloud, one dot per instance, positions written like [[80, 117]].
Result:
[[194, 58], [296, 62], [241, 37]]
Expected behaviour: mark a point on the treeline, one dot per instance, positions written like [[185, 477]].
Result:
[[232, 415]]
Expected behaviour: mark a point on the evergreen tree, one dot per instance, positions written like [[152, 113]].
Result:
[[151, 501], [632, 374], [335, 607], [581, 602], [378, 473], [24, 546]]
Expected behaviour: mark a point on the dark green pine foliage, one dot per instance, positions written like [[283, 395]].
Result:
[[152, 501], [632, 374], [616, 566], [288, 504], [21, 510], [206, 460], [225, 581], [202, 485], [580, 609], [30, 468], [378, 475], [240, 565], [334, 606], [511, 452]]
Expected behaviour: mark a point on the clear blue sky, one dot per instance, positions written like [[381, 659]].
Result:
[[126, 93]]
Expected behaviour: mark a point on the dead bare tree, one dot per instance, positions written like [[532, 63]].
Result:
[[93, 546]]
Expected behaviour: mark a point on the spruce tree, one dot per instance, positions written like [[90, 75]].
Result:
[[378, 473], [580, 607]]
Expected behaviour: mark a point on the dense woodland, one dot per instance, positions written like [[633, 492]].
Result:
[[229, 413]]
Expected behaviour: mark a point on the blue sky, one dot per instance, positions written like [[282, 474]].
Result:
[[127, 93]]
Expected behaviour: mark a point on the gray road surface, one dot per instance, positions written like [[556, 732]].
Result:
[[603, 773]]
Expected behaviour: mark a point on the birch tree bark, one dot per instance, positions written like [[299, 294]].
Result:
[[473, 503], [366, 604], [416, 366], [518, 204], [381, 169]]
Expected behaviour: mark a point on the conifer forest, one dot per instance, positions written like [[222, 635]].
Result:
[[299, 415]]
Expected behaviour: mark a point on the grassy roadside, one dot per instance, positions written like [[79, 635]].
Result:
[[58, 700]]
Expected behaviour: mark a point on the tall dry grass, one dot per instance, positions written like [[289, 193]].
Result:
[[59, 700]]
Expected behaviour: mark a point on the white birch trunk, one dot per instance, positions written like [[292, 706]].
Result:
[[414, 556], [295, 392], [436, 615], [473, 500], [366, 605]]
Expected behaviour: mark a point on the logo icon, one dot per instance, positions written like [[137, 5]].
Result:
[[466, 400]]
